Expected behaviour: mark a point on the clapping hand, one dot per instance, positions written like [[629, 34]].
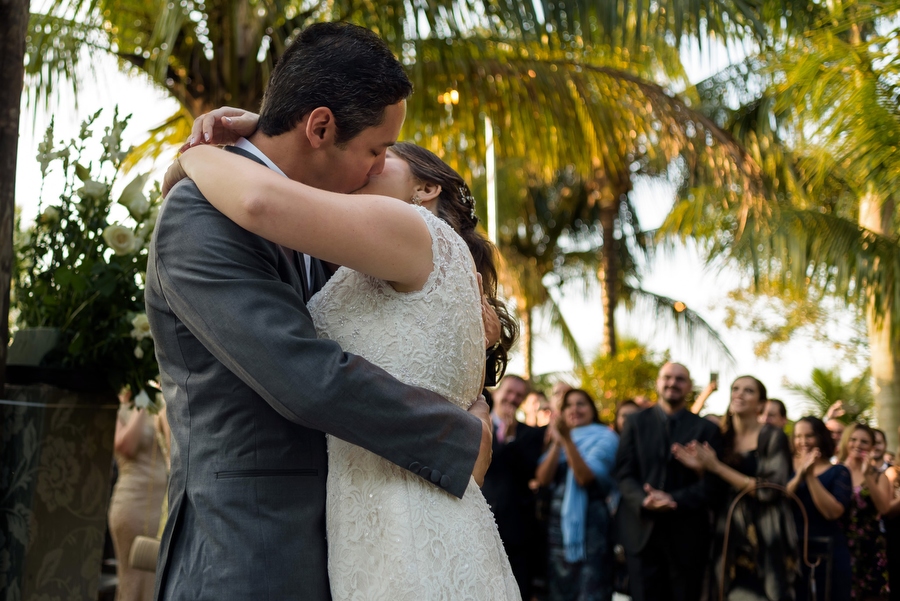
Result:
[[706, 454], [657, 500], [807, 460], [687, 456], [835, 411], [562, 428]]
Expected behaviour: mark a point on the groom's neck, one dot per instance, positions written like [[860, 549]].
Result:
[[284, 151]]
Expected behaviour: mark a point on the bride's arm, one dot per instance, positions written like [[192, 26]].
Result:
[[376, 235]]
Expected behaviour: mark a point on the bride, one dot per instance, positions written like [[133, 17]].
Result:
[[406, 299]]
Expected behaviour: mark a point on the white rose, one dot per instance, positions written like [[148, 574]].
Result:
[[153, 217], [141, 327], [134, 199], [92, 189], [50, 215], [138, 352], [142, 400], [120, 239]]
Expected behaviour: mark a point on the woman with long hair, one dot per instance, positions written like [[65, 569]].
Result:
[[825, 491], [761, 558], [578, 469], [871, 499]]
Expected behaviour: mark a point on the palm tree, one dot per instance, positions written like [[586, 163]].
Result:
[[831, 166], [556, 238], [546, 245], [13, 26], [568, 85], [826, 387], [625, 125]]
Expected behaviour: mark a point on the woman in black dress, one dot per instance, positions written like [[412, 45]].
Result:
[[825, 491], [761, 559]]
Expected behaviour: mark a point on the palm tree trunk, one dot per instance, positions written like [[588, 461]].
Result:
[[610, 196], [608, 274], [526, 313], [877, 215], [13, 25]]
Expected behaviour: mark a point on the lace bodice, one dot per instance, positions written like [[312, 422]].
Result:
[[392, 535], [431, 338]]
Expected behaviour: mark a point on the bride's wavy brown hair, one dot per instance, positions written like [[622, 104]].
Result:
[[456, 206]]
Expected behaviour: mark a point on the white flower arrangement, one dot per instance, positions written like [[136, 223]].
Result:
[[82, 273]]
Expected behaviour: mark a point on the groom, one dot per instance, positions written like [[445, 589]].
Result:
[[250, 390]]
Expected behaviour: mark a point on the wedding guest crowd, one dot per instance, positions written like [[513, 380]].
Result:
[[661, 504]]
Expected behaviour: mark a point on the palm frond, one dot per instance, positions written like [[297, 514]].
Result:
[[559, 324], [686, 322]]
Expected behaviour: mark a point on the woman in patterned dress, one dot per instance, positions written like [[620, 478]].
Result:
[[870, 500]]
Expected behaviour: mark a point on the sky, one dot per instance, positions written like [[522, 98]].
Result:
[[679, 273]]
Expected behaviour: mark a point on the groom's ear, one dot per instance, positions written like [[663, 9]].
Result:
[[320, 127]]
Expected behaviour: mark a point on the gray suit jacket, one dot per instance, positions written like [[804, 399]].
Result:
[[250, 391]]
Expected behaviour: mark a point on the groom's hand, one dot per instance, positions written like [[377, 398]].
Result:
[[489, 317], [481, 410], [174, 174]]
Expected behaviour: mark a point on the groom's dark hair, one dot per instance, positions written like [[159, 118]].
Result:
[[341, 66]]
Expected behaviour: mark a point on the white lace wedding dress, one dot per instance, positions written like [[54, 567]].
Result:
[[391, 535]]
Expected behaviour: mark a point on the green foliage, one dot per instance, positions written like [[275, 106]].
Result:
[[630, 373], [820, 116], [827, 387], [82, 273], [780, 316]]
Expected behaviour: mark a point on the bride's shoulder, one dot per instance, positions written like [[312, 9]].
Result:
[[440, 229]]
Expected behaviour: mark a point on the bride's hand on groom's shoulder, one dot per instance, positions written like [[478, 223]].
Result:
[[225, 125]]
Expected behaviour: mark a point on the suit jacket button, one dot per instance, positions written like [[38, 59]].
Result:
[[436, 476], [415, 466], [445, 481], [425, 472]]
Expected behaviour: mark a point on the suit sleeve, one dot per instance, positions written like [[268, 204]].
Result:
[[627, 470], [223, 283], [706, 491]]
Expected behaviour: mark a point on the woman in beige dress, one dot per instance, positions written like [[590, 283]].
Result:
[[136, 505]]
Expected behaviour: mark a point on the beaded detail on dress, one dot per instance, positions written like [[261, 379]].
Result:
[[392, 535]]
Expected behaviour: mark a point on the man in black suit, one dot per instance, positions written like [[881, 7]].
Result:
[[516, 450], [664, 515]]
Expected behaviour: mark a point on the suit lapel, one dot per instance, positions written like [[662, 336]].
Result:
[[294, 258]]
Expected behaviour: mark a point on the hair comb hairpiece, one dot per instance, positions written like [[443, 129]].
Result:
[[468, 199]]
